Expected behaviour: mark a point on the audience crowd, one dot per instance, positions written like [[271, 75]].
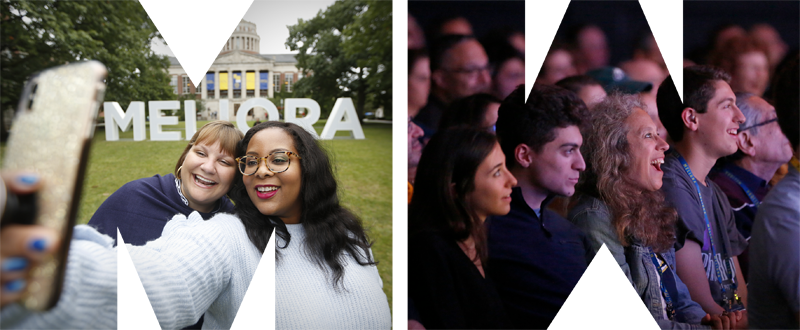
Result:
[[512, 192]]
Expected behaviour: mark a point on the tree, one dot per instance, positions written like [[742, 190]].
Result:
[[341, 50], [40, 34], [371, 43]]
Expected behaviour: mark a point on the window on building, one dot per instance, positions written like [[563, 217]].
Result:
[[276, 82], [264, 84], [186, 83], [289, 81], [237, 84], [173, 81], [223, 85], [210, 85]]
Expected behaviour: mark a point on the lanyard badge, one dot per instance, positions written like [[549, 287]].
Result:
[[733, 302]]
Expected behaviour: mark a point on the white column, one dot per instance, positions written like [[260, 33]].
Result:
[[258, 83], [271, 87], [216, 85], [230, 84], [202, 86]]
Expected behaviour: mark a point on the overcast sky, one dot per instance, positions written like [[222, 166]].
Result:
[[271, 19]]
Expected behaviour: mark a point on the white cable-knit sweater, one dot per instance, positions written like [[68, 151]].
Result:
[[201, 267]]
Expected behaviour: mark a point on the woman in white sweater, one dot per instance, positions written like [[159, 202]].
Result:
[[325, 274]]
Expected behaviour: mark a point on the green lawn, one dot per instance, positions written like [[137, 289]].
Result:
[[363, 168]]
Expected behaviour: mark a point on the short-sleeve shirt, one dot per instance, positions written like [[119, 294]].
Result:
[[681, 193], [774, 288]]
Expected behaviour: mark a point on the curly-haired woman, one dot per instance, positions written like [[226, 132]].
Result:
[[619, 204]]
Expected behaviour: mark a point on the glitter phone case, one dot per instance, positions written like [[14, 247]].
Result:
[[51, 136]]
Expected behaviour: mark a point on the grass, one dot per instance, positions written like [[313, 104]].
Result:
[[363, 169]]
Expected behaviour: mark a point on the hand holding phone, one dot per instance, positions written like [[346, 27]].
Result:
[[50, 137], [21, 247]]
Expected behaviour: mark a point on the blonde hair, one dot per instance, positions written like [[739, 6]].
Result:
[[220, 131]]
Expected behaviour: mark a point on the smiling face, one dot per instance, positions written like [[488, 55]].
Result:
[[493, 182], [717, 127], [206, 175], [770, 144], [275, 194], [556, 168], [646, 150]]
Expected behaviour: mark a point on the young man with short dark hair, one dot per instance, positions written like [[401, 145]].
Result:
[[536, 256], [704, 128]]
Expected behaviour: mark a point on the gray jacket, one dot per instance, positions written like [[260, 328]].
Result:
[[593, 217]]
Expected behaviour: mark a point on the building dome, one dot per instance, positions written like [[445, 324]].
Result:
[[244, 39]]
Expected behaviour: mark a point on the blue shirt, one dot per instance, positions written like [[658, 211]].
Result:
[[141, 209], [534, 261]]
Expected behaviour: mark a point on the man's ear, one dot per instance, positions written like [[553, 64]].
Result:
[[745, 143], [689, 117], [523, 155]]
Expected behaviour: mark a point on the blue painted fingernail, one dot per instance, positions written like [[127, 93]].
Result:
[[14, 264], [38, 245], [28, 179], [15, 285]]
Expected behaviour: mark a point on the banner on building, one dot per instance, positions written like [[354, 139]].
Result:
[[237, 80], [264, 80], [250, 82], [210, 82], [223, 81]]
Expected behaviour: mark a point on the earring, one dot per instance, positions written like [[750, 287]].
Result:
[[179, 171]]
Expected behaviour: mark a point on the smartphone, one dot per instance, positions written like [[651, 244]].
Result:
[[51, 135]]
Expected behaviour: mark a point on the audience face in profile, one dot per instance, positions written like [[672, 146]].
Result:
[[719, 125], [647, 151], [560, 162], [493, 182], [419, 85], [763, 140]]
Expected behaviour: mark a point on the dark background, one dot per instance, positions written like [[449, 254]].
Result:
[[688, 22]]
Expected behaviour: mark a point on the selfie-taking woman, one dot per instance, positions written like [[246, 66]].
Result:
[[203, 175], [461, 180], [326, 277], [619, 204]]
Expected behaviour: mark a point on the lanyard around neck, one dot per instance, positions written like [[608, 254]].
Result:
[[708, 228], [741, 184], [667, 299]]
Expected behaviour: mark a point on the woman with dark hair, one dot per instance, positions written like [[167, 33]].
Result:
[[461, 180], [478, 111], [325, 277], [618, 204]]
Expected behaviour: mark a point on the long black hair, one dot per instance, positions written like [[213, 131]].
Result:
[[445, 175], [331, 230]]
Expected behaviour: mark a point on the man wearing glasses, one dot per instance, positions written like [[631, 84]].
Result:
[[459, 68], [744, 176]]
